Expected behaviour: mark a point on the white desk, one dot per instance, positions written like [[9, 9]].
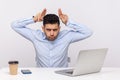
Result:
[[48, 74]]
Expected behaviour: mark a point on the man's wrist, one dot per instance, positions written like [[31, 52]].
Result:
[[67, 22], [34, 18]]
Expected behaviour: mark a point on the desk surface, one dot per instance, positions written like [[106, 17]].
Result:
[[49, 74]]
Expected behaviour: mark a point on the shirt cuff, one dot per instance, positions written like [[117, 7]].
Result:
[[30, 20], [27, 20], [69, 22]]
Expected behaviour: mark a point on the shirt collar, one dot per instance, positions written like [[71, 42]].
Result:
[[44, 36]]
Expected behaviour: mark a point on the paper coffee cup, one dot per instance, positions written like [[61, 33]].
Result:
[[13, 67]]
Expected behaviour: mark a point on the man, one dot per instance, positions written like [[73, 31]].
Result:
[[51, 45]]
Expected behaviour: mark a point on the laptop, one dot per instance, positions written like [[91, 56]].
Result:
[[88, 61]]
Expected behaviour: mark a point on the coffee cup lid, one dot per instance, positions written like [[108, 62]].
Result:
[[13, 62]]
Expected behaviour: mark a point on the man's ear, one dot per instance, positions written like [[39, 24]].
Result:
[[43, 28], [59, 28]]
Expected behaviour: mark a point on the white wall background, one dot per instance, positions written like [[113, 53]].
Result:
[[102, 16]]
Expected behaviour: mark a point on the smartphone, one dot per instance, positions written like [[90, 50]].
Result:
[[26, 71]]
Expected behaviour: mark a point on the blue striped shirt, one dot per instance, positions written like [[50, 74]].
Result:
[[52, 53]]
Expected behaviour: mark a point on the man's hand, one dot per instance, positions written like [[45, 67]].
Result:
[[63, 17], [39, 16]]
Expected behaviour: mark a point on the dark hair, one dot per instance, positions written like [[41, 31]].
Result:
[[51, 19]]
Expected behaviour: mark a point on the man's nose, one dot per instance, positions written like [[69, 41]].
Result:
[[51, 33]]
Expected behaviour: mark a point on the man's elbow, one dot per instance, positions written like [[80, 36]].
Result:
[[89, 33], [14, 25]]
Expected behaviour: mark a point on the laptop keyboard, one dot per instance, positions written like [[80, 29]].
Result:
[[69, 71]]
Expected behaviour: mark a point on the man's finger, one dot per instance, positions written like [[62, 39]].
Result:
[[59, 12], [44, 12]]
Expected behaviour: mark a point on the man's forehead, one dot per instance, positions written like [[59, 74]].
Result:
[[51, 26]]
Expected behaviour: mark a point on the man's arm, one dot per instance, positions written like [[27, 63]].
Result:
[[78, 31], [20, 25]]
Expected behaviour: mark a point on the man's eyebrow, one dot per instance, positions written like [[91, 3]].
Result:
[[54, 29], [48, 29], [51, 29]]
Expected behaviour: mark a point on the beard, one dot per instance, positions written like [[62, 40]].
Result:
[[51, 38]]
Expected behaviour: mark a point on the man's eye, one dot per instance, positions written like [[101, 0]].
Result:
[[55, 30], [48, 30]]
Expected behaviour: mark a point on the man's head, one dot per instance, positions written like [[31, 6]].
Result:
[[51, 26]]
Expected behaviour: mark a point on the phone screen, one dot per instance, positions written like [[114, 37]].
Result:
[[26, 71]]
